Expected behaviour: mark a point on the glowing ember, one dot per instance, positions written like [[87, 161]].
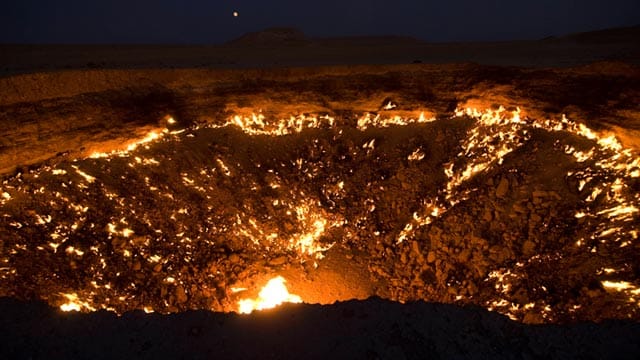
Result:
[[274, 293]]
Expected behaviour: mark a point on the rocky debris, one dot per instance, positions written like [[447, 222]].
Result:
[[221, 207], [280, 260], [503, 187], [180, 294]]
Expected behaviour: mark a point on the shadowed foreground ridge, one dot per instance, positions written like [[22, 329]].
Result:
[[370, 329]]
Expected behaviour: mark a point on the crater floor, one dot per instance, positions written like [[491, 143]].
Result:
[[536, 219]]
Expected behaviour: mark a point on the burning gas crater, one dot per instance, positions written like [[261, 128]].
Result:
[[534, 219]]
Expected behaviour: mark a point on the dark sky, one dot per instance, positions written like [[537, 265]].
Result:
[[211, 21]]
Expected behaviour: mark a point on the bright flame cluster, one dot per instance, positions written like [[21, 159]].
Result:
[[258, 124], [274, 293], [498, 132]]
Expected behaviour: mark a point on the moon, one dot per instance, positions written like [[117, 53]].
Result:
[[235, 14]]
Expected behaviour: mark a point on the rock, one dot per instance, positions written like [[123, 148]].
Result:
[[503, 187], [139, 240], [181, 295], [464, 256], [278, 261], [117, 242], [157, 268], [472, 289], [431, 256], [415, 247], [533, 318], [487, 216], [480, 268], [539, 194], [528, 248], [498, 254], [592, 293], [234, 258], [553, 194], [519, 208], [535, 218], [136, 266]]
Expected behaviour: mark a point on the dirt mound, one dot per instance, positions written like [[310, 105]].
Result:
[[607, 36], [351, 330], [270, 37]]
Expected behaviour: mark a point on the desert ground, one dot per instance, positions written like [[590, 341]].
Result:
[[432, 200]]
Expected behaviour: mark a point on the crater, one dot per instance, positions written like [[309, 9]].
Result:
[[536, 219]]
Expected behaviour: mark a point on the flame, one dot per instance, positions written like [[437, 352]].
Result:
[[621, 286], [256, 124], [75, 304], [86, 176], [150, 137], [274, 293], [498, 132], [368, 120], [417, 155], [604, 179], [311, 220]]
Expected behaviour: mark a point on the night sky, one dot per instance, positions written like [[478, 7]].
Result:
[[211, 21]]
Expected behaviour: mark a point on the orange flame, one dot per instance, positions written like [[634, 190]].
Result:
[[274, 293]]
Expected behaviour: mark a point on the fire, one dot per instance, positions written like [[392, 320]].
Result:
[[148, 138], [376, 121], [75, 304], [256, 124], [295, 222], [389, 106], [499, 132], [86, 176], [274, 293]]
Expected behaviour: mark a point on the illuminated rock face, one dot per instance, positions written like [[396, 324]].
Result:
[[536, 219]]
